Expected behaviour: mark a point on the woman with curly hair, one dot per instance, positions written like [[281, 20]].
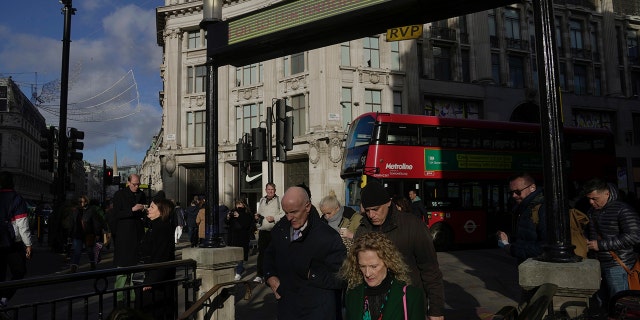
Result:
[[378, 282]]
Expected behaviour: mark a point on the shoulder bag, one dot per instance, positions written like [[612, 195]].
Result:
[[633, 275]]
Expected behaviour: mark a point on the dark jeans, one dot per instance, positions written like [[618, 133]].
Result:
[[15, 259], [264, 238]]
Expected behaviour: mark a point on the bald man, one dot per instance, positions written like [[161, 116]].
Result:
[[302, 261]]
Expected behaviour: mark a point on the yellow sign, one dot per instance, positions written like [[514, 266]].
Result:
[[404, 33]]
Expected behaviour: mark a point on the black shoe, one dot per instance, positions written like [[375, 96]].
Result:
[[93, 266]]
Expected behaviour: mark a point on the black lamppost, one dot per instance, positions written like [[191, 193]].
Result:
[[559, 247], [63, 147], [212, 15]]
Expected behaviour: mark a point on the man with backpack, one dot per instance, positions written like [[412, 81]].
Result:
[[15, 235]]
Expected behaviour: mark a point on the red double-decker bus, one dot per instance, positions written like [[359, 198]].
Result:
[[461, 167]]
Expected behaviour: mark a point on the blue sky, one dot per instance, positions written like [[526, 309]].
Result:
[[113, 49]]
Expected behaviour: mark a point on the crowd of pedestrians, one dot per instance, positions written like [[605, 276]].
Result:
[[331, 263]]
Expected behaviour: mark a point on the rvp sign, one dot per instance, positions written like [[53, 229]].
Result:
[[404, 33]]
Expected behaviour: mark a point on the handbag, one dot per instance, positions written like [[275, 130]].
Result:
[[633, 275]]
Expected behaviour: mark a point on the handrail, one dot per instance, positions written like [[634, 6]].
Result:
[[93, 275], [540, 303], [199, 304]]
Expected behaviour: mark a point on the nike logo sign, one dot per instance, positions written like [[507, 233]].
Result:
[[251, 179]]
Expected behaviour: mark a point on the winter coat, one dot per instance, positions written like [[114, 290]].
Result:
[[200, 222], [269, 208], [307, 269], [158, 246], [617, 228], [530, 235], [129, 231], [413, 239], [240, 227], [394, 306]]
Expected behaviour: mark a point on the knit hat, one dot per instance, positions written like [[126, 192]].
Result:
[[374, 194]]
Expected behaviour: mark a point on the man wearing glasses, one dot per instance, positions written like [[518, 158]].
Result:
[[530, 233], [129, 210]]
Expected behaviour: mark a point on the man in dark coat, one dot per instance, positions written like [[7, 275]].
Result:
[[128, 213], [614, 228], [302, 260], [413, 240], [128, 210], [531, 226]]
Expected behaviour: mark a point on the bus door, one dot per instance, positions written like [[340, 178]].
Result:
[[456, 213]]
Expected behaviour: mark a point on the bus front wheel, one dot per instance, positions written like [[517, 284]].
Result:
[[442, 236]]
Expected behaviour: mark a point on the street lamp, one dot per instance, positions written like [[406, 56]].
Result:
[[211, 16]]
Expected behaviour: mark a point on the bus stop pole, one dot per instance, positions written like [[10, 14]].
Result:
[[558, 247]]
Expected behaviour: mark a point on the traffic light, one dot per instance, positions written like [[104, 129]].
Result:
[[74, 144], [108, 177], [48, 143], [243, 150], [258, 142], [284, 130]]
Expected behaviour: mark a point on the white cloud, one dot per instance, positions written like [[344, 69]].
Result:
[[98, 59]]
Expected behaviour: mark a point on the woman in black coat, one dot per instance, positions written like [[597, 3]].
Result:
[[240, 220], [158, 246]]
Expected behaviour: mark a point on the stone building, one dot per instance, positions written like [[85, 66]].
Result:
[[481, 65], [21, 125]]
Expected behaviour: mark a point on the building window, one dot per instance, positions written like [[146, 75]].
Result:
[[299, 113], [593, 119], [395, 55], [466, 65], [4, 99], [495, 68], [597, 82], [452, 108], [196, 128], [636, 128], [371, 51], [493, 33], [247, 117], [442, 63], [562, 67], [372, 100], [534, 71], [345, 54], [397, 102], [347, 113], [249, 74], [635, 83], [580, 79], [516, 72], [196, 77], [294, 64], [632, 47], [559, 42], [593, 37], [194, 40], [575, 34], [512, 23]]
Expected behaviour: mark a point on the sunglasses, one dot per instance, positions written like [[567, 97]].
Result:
[[518, 192]]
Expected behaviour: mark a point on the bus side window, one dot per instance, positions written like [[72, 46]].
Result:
[[429, 136]]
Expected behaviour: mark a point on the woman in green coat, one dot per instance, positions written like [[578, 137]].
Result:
[[378, 282]]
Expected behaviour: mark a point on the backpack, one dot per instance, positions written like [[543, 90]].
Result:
[[577, 220]]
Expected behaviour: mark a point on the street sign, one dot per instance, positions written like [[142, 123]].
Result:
[[404, 33]]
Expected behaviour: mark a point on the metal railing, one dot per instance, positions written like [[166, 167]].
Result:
[[91, 295], [218, 301]]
